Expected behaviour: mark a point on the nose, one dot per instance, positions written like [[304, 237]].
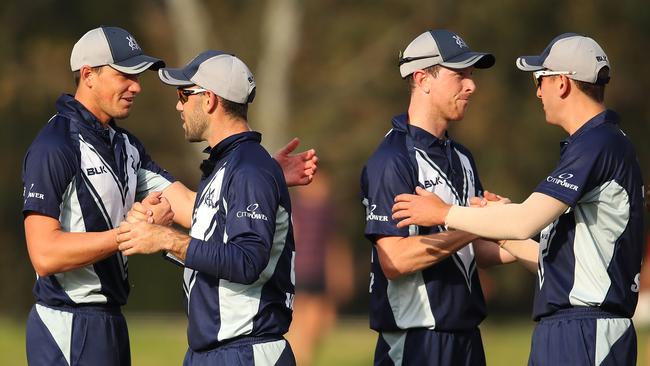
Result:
[[539, 92], [470, 85], [179, 106], [135, 86]]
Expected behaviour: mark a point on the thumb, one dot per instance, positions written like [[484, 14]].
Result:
[[290, 147]]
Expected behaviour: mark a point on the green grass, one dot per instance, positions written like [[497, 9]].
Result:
[[160, 340]]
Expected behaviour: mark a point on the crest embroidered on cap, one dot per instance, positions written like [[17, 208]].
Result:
[[132, 43], [460, 42]]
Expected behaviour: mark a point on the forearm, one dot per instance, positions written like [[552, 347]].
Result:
[[489, 253], [403, 256], [525, 251], [511, 221], [177, 243], [181, 200], [240, 262], [52, 250]]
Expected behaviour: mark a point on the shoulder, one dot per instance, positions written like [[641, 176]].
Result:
[[392, 152], [55, 138], [603, 139], [251, 159]]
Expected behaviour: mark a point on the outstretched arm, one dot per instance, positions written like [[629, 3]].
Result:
[[298, 169], [512, 221]]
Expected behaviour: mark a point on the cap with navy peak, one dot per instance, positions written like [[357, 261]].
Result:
[[570, 52], [441, 47], [114, 47], [224, 74]]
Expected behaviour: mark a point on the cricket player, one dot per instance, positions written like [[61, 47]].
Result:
[[589, 211]]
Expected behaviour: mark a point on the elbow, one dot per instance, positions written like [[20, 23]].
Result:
[[43, 267], [523, 232], [250, 273], [392, 270], [248, 279]]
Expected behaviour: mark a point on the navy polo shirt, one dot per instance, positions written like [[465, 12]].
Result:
[[591, 255], [447, 295]]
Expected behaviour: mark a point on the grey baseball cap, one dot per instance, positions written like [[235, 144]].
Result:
[[571, 52], [220, 72], [441, 47], [112, 46]]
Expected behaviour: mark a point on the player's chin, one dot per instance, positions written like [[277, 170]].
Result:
[[122, 114]]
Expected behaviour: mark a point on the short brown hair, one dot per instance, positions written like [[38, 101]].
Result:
[[595, 91], [77, 74], [236, 110], [433, 70]]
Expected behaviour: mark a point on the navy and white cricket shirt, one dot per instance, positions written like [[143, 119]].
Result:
[[87, 177], [447, 295], [591, 255], [239, 279]]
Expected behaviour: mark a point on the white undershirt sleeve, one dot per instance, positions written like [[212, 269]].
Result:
[[507, 221]]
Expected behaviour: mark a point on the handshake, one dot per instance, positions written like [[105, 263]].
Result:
[[146, 227]]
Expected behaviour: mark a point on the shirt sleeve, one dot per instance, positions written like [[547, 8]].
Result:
[[570, 179], [252, 204], [151, 177], [381, 182], [48, 171]]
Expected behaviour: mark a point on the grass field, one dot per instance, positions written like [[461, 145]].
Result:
[[160, 341]]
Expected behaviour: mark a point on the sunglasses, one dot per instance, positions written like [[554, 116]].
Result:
[[403, 60], [184, 94], [538, 75]]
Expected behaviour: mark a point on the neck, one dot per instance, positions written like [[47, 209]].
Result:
[[427, 119], [581, 111], [86, 100], [221, 130]]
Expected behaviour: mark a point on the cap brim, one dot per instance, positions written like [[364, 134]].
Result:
[[529, 63], [174, 77], [138, 64], [477, 59]]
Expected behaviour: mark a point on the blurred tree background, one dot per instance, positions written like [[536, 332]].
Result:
[[327, 72]]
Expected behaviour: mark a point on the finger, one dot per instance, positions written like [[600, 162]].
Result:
[[141, 208], [152, 198], [422, 192], [290, 147], [124, 227], [398, 206], [404, 197], [477, 201], [404, 223], [165, 202], [138, 216], [401, 214], [309, 155], [125, 246], [129, 252]]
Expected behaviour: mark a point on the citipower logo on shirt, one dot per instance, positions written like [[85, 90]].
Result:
[[370, 216], [562, 179], [251, 214], [30, 194]]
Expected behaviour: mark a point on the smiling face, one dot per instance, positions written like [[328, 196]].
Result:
[[450, 92], [112, 93]]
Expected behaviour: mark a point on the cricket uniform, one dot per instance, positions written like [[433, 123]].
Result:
[[431, 316], [87, 177], [590, 257], [239, 277]]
